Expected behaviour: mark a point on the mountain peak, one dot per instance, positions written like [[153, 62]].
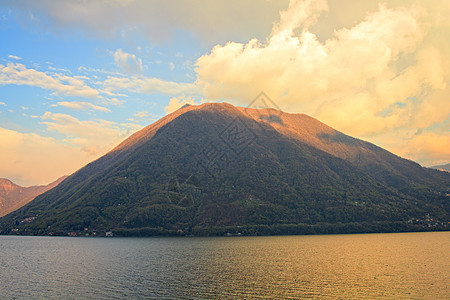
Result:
[[215, 165], [7, 185], [13, 196], [149, 131]]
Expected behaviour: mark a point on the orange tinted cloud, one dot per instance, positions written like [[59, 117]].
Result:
[[93, 136], [29, 159], [387, 71]]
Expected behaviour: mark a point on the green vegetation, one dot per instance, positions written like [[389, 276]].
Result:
[[168, 185]]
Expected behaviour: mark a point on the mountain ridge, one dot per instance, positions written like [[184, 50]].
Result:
[[14, 196], [269, 169]]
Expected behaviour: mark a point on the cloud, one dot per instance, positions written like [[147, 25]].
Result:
[[127, 62], [81, 105], [143, 116], [387, 71], [308, 71], [14, 57], [299, 13], [148, 85], [95, 137], [3, 103], [112, 101], [214, 21], [178, 102], [428, 147], [24, 156], [99, 71], [19, 74]]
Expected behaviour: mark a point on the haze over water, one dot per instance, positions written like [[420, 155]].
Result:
[[405, 265]]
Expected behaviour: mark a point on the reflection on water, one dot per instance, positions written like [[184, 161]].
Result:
[[405, 265]]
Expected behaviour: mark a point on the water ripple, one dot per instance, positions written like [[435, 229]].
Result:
[[376, 266]]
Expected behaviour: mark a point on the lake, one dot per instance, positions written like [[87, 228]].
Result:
[[363, 266]]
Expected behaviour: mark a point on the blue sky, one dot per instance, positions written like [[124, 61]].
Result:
[[78, 77], [70, 52]]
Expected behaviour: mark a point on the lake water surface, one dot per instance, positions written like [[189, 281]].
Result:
[[365, 266]]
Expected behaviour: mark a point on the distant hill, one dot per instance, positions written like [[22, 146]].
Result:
[[13, 196], [442, 167], [215, 168]]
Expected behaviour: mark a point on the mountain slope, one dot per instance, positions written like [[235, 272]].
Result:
[[405, 175], [13, 196], [215, 166]]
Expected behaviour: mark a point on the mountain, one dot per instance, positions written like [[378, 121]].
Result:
[[13, 196], [445, 167], [216, 168]]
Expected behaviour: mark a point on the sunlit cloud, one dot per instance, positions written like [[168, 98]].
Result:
[[24, 156], [92, 136], [159, 20], [385, 72], [19, 74], [177, 102], [149, 85], [127, 62], [99, 71], [81, 105], [380, 73], [144, 116], [14, 57], [111, 101], [430, 147], [141, 114]]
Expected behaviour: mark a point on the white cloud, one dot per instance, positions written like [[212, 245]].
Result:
[[112, 101], [299, 13], [144, 116], [100, 71], [148, 85], [81, 105], [127, 62], [19, 74], [3, 103], [131, 127], [14, 57], [141, 114]]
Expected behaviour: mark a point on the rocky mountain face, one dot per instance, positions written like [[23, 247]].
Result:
[[13, 196], [216, 168]]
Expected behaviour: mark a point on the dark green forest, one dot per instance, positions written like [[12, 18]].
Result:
[[217, 172]]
